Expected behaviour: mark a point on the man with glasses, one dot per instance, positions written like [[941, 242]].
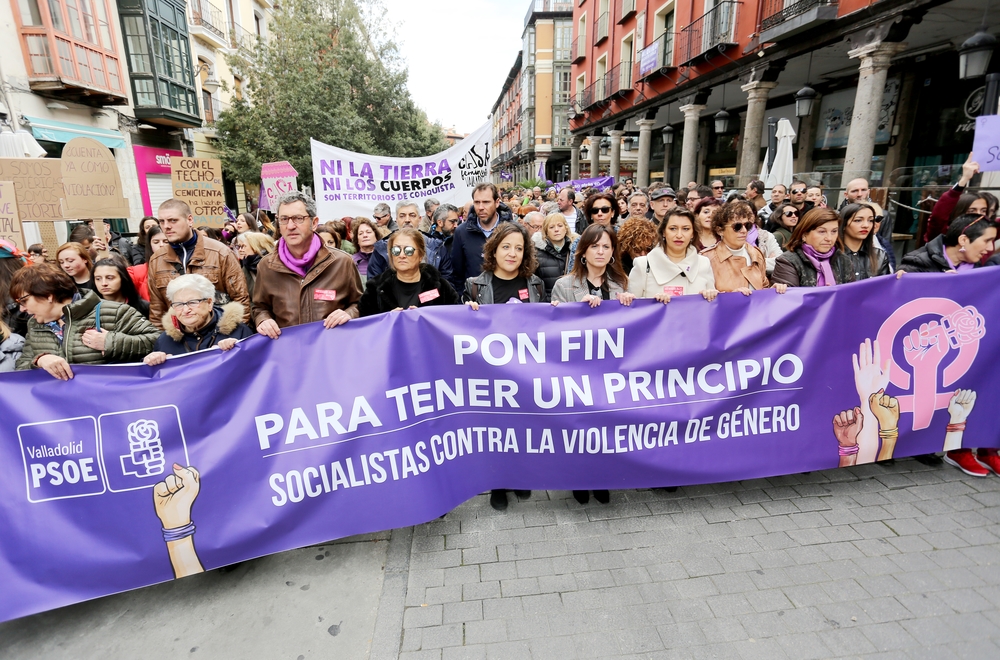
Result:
[[191, 253], [302, 281], [797, 197], [533, 222], [436, 253], [692, 199], [383, 217], [777, 201], [718, 190]]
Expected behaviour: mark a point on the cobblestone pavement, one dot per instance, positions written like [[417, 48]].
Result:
[[896, 561]]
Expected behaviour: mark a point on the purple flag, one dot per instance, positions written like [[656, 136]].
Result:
[[127, 476]]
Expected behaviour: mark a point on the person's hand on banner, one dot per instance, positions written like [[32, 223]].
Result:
[[626, 298], [708, 294], [780, 287], [56, 366], [336, 317], [155, 358], [592, 300], [745, 290], [227, 344], [269, 328], [473, 304], [664, 297], [95, 339]]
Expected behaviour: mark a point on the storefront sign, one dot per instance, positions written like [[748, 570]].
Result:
[[986, 146], [198, 181], [277, 179], [349, 183], [92, 186], [127, 476], [152, 165], [10, 221]]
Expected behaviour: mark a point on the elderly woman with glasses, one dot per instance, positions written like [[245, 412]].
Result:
[[408, 283], [194, 323]]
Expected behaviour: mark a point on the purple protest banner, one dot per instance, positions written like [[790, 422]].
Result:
[[130, 475], [599, 182]]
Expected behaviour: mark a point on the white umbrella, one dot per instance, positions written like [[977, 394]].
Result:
[[21, 144], [781, 171]]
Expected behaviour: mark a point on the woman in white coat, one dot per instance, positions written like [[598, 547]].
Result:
[[674, 267]]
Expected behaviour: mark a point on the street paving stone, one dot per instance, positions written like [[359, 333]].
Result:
[[877, 561]]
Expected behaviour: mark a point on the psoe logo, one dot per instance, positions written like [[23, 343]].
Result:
[[136, 446], [940, 341]]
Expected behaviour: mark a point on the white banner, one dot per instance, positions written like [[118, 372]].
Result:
[[348, 183]]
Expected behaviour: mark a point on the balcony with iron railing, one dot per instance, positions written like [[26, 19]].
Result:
[[781, 19], [594, 94], [618, 80], [627, 12], [578, 50], [657, 57], [241, 39], [208, 23], [539, 6], [714, 28], [600, 28]]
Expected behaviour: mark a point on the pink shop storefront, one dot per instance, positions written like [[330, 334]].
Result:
[[152, 165]]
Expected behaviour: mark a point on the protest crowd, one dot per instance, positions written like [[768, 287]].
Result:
[[176, 289]]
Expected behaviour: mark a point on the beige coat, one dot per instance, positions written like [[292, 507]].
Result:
[[732, 272]]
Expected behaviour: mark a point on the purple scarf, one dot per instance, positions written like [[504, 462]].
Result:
[[299, 266], [821, 262], [752, 236]]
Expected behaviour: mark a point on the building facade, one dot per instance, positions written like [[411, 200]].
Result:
[[530, 118], [694, 82]]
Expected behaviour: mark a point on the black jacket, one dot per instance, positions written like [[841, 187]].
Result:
[[380, 294], [862, 265], [795, 269], [928, 259], [226, 323], [136, 254], [551, 262], [467, 247]]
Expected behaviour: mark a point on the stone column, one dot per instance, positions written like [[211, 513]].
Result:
[[574, 157], [875, 60], [616, 153], [689, 147], [595, 154], [756, 104], [645, 147]]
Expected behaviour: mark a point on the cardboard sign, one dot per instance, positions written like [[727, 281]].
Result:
[[986, 146], [38, 186], [10, 222], [198, 182], [50, 240], [276, 180], [92, 186]]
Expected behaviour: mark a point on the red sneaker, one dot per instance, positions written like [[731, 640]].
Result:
[[989, 459], [965, 461]]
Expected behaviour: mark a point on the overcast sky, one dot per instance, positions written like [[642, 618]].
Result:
[[458, 53]]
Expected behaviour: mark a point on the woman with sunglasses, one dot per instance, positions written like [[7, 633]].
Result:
[[408, 283], [599, 209], [194, 322], [814, 257], [737, 265], [858, 240], [782, 223], [673, 267]]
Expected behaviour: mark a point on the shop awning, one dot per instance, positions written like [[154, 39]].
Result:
[[60, 131]]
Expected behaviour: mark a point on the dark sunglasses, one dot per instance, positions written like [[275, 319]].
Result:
[[798, 191], [601, 209], [409, 250], [738, 226], [717, 187], [790, 214]]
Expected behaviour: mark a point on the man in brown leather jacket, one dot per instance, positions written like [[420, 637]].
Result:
[[302, 281], [190, 252]]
